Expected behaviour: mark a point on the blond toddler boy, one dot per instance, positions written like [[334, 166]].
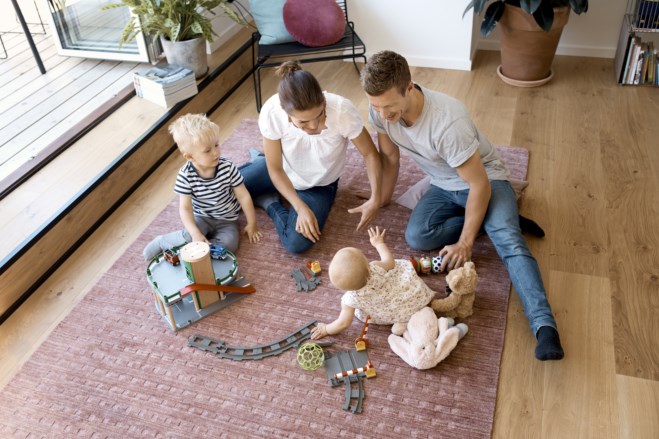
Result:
[[211, 191]]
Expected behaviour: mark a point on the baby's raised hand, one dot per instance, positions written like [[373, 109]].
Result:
[[376, 236]]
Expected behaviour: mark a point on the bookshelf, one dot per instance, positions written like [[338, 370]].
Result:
[[636, 61]]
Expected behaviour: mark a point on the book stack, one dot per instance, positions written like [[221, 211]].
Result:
[[165, 84], [640, 65]]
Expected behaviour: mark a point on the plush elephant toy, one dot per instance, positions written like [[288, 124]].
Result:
[[427, 340]]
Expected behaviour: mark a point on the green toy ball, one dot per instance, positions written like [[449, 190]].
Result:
[[310, 356]]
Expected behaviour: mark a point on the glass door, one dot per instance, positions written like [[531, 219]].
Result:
[[81, 28]]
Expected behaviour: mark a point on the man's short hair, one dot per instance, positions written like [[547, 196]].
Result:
[[384, 70]]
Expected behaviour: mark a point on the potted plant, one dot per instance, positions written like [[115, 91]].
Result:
[[530, 31], [182, 26]]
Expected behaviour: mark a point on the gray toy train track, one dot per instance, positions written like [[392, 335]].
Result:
[[219, 348], [356, 394]]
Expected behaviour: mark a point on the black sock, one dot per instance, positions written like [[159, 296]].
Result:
[[549, 344], [531, 227]]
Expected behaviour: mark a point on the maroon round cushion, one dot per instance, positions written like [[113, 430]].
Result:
[[314, 23]]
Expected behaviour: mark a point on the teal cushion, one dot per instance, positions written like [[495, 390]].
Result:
[[269, 18]]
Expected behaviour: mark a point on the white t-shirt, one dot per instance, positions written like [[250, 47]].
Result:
[[312, 160], [441, 139]]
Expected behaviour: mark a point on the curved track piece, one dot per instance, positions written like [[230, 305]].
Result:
[[220, 349], [354, 395]]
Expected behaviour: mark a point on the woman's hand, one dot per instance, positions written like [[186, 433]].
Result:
[[306, 224], [369, 211]]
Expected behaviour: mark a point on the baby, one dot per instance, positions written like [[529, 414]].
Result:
[[211, 191], [389, 290]]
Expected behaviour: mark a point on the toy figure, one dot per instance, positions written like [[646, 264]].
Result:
[[461, 286], [389, 290]]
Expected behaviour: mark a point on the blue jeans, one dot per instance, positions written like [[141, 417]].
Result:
[[319, 199], [437, 221]]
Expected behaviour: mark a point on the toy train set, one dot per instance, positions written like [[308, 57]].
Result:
[[192, 281]]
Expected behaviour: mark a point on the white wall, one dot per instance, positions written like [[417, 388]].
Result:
[[432, 33], [429, 33]]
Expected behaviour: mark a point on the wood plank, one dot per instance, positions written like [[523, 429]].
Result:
[[630, 162], [28, 85], [580, 391], [575, 397], [638, 402], [78, 104], [49, 111], [21, 60]]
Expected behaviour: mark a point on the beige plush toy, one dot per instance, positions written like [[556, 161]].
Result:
[[427, 340], [460, 302]]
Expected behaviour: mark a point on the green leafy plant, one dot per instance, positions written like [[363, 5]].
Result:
[[176, 20], [542, 11]]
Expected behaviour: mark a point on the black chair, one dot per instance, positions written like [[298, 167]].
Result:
[[272, 55]]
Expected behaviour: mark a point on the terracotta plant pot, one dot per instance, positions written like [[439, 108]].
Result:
[[190, 54], [527, 51]]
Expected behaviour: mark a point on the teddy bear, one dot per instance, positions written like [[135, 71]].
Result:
[[427, 340], [461, 284]]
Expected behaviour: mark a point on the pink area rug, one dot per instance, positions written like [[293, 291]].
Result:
[[113, 368]]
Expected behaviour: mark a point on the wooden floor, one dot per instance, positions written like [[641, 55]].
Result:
[[36, 109], [593, 177]]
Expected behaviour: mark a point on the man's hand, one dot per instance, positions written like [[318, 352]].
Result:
[[369, 211], [455, 255], [307, 224]]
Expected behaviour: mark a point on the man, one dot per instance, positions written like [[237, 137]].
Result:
[[469, 184]]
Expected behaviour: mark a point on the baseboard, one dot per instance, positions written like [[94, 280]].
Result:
[[436, 63], [569, 50]]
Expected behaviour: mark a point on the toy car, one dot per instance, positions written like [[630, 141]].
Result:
[[314, 266], [218, 252], [171, 257]]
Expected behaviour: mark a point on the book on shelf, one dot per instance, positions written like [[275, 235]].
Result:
[[623, 55], [632, 60], [165, 84], [638, 65]]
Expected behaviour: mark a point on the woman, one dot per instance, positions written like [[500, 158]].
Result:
[[305, 136]]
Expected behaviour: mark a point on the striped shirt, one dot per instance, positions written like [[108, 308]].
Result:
[[211, 197]]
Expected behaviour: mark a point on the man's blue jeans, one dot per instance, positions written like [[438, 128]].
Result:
[[437, 221], [319, 199]]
